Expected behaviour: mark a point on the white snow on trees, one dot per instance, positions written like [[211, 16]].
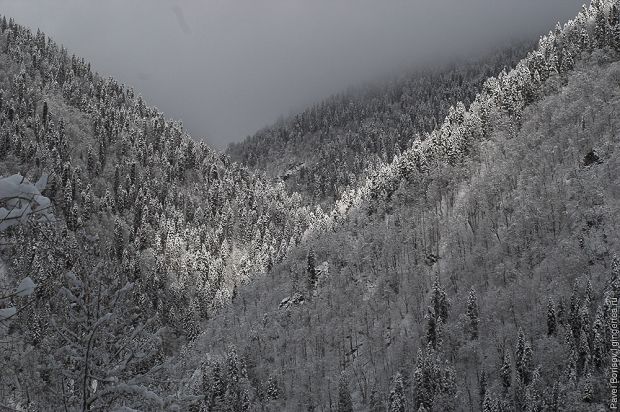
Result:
[[20, 199]]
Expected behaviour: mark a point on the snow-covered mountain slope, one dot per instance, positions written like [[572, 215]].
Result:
[[150, 233], [473, 273]]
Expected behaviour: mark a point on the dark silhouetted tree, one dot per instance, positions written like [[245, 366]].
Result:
[[473, 314], [311, 269], [551, 318]]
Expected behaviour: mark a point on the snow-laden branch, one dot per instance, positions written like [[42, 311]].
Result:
[[20, 199]]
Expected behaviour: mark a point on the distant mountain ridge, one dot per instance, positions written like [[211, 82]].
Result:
[[331, 145]]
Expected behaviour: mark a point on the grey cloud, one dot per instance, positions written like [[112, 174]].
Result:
[[229, 67]]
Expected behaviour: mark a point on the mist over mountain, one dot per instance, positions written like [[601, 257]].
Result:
[[229, 68], [443, 239], [333, 145]]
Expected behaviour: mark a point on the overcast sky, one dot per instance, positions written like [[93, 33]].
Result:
[[230, 67]]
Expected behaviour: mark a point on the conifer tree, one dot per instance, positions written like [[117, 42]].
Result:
[[489, 404], [374, 402], [119, 239], [273, 389], [520, 351], [434, 380], [569, 340], [533, 396], [614, 282], [236, 396], [552, 398], [574, 317], [584, 353], [561, 315], [599, 348], [482, 387], [506, 371], [600, 28], [567, 62], [73, 220], [44, 115], [217, 389], [551, 318], [614, 27], [205, 385], [431, 327], [117, 179], [102, 155], [571, 373], [67, 197], [588, 389], [589, 293], [397, 395], [344, 396], [88, 206], [311, 269], [526, 364], [438, 335], [519, 395], [473, 314], [439, 301], [90, 162]]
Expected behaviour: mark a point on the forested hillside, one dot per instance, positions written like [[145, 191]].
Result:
[[472, 273], [150, 231], [332, 145], [466, 266]]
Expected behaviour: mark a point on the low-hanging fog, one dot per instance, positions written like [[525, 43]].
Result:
[[229, 67]]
